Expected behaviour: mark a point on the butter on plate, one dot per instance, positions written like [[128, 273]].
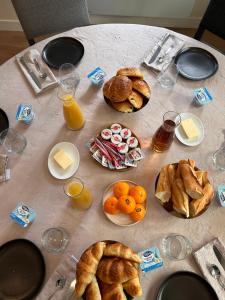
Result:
[[190, 129], [62, 159]]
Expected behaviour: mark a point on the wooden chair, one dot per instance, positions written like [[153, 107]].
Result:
[[41, 17], [213, 20]]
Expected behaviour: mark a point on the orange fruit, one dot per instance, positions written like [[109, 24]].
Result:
[[138, 213], [121, 188], [111, 206], [138, 193], [126, 204]]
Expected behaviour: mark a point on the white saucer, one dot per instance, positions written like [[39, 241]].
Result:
[[72, 152], [180, 134]]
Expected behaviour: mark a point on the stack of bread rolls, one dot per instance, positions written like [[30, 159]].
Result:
[[108, 271], [185, 187], [127, 91]]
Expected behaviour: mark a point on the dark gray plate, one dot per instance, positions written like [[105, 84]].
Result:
[[186, 286], [4, 121], [196, 63]]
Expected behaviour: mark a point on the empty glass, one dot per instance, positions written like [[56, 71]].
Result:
[[219, 159], [55, 240], [168, 76], [176, 246], [12, 141], [68, 77]]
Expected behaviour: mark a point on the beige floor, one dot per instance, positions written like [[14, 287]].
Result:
[[12, 42]]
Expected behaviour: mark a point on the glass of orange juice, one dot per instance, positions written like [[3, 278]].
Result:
[[80, 195]]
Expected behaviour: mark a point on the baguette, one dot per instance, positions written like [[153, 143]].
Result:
[[191, 184], [163, 189], [180, 198], [196, 206]]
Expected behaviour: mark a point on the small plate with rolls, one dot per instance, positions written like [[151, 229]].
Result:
[[108, 270], [127, 91], [183, 189]]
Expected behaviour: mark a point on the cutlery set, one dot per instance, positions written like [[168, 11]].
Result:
[[214, 269]]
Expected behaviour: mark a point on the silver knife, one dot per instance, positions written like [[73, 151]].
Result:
[[30, 72], [219, 256], [159, 48]]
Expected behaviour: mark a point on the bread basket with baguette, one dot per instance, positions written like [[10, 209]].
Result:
[[127, 91], [184, 190], [108, 270]]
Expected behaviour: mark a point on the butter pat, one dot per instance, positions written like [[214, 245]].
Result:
[[190, 128], [62, 159]]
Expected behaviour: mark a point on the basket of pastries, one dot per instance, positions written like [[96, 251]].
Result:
[[127, 91], [108, 270], [183, 189]]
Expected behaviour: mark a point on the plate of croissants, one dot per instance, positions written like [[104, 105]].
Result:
[[108, 270], [183, 189], [127, 91]]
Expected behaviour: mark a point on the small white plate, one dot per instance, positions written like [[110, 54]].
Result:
[[120, 218], [72, 151], [180, 134]]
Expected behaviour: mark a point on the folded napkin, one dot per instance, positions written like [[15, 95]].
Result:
[[66, 269], [4, 170], [204, 257], [29, 58], [166, 49]]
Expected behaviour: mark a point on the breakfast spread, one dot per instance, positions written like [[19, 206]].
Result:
[[127, 91], [184, 188], [108, 270], [62, 159], [190, 129], [116, 148]]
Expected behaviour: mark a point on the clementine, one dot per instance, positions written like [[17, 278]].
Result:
[[111, 206], [138, 193], [138, 213], [126, 204], [121, 188]]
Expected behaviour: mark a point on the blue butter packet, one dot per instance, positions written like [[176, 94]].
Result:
[[97, 76], [220, 194], [150, 259], [23, 215], [202, 96], [25, 113]]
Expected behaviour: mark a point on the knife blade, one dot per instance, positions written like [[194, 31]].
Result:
[[30, 72], [219, 256], [159, 48]]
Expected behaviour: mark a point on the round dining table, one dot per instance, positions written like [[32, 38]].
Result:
[[110, 46]]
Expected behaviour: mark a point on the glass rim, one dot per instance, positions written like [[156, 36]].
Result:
[[77, 179], [65, 92], [177, 116]]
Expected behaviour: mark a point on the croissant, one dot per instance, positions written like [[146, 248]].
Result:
[[92, 291], [133, 287], [112, 291], [87, 266], [116, 270], [122, 251]]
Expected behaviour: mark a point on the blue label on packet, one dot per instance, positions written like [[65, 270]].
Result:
[[220, 194], [23, 215], [202, 96], [97, 76], [25, 113], [150, 259]]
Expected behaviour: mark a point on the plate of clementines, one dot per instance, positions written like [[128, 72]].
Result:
[[124, 203]]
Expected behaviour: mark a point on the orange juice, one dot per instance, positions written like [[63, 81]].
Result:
[[81, 197], [72, 113]]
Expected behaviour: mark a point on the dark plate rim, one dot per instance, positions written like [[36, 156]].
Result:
[[54, 41], [196, 49], [6, 117], [181, 273], [43, 265]]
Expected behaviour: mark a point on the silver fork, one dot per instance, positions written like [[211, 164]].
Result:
[[42, 75], [60, 283]]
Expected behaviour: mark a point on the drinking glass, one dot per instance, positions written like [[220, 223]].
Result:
[[168, 76], [219, 159], [176, 246], [12, 141], [55, 240], [164, 135], [79, 194], [68, 77]]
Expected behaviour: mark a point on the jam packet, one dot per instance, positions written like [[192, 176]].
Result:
[[150, 259], [220, 194], [25, 113], [202, 96], [23, 215], [97, 76]]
